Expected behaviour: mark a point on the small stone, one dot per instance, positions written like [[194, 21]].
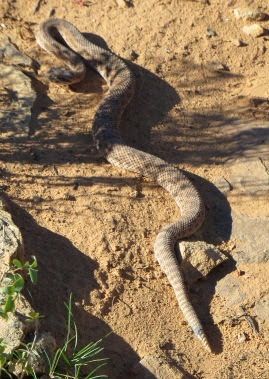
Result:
[[237, 42], [262, 309], [198, 259], [133, 56], [211, 32], [122, 3], [248, 14], [20, 99], [241, 337], [68, 196], [254, 30], [37, 199], [218, 66]]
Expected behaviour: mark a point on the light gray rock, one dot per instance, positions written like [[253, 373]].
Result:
[[17, 92], [11, 243], [237, 42], [19, 98], [241, 337], [122, 3], [249, 175], [254, 30], [230, 288], [156, 368], [15, 328], [217, 66], [249, 14], [198, 259], [251, 235], [9, 54], [262, 309]]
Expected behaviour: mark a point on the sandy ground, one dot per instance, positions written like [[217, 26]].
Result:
[[92, 227]]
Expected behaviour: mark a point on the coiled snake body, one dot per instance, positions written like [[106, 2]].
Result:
[[74, 53]]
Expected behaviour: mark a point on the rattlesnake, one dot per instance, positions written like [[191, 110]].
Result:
[[74, 52]]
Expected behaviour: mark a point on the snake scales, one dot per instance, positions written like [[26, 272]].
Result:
[[76, 50]]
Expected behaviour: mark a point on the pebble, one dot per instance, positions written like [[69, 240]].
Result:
[[241, 337], [68, 196], [237, 42], [133, 56], [211, 32], [217, 66], [248, 14], [253, 30], [122, 3]]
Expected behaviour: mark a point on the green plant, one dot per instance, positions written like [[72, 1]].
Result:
[[68, 360], [12, 283]]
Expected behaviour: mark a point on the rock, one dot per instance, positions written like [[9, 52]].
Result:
[[248, 14], [19, 99], [14, 330], [153, 367], [10, 237], [44, 343], [251, 235], [218, 66], [198, 259], [237, 42], [262, 309], [254, 30], [133, 56], [249, 176], [223, 185], [241, 337], [122, 3], [230, 288], [68, 196], [211, 32], [9, 54]]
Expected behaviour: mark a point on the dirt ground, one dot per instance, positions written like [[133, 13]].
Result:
[[92, 227]]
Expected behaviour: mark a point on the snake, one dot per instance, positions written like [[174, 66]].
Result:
[[67, 43]]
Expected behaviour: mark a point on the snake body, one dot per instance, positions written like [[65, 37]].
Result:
[[74, 52]]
